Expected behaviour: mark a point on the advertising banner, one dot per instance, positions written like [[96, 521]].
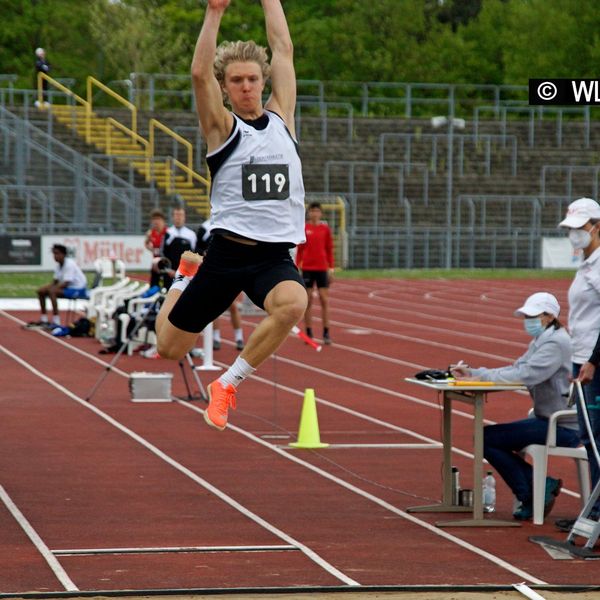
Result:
[[33, 253], [557, 253]]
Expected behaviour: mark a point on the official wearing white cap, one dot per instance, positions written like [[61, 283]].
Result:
[[583, 222], [538, 303], [544, 369]]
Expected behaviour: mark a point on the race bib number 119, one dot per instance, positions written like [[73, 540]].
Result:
[[265, 182]]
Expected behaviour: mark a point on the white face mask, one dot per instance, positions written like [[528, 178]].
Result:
[[580, 238]]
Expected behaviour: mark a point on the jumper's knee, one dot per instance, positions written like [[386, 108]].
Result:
[[290, 311], [174, 344]]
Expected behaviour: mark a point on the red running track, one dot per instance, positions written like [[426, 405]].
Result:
[[115, 495]]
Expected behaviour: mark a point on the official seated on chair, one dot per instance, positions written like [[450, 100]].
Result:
[[544, 369], [69, 281]]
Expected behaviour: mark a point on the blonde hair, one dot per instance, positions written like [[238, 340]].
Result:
[[239, 51]]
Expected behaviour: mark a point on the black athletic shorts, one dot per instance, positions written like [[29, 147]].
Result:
[[321, 278], [228, 269]]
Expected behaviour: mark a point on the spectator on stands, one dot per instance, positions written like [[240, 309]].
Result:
[[583, 223], [178, 238], [544, 369], [204, 236], [42, 66], [153, 242], [69, 282], [315, 259]]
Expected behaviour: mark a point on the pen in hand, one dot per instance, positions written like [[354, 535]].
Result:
[[460, 369]]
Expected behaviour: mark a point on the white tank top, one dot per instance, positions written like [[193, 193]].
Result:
[[257, 191]]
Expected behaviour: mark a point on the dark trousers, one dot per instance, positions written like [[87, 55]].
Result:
[[502, 442], [591, 392]]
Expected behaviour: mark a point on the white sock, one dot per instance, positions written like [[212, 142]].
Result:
[[237, 372], [43, 318], [239, 335], [180, 282], [216, 335], [56, 320]]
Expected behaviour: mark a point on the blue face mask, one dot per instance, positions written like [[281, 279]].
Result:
[[533, 326]]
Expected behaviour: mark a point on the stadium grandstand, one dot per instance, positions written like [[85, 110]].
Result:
[[451, 176]]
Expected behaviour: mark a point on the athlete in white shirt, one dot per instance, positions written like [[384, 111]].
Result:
[[257, 200], [69, 282]]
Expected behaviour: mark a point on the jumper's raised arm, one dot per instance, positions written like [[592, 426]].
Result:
[[215, 120], [283, 77]]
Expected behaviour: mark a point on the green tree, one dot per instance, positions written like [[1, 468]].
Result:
[[59, 26], [552, 39]]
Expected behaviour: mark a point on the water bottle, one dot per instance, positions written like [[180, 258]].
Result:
[[455, 486], [489, 492]]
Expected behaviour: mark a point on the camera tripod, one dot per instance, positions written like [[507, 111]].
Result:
[[152, 309], [201, 390]]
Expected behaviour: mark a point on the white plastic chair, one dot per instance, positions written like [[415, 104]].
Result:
[[110, 269], [539, 457], [137, 308], [113, 300], [98, 295]]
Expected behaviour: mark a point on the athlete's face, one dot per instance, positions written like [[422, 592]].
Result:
[[244, 85]]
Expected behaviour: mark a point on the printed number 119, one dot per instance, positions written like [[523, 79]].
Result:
[[279, 180]]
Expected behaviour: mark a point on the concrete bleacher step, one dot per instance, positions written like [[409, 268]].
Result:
[[362, 143]]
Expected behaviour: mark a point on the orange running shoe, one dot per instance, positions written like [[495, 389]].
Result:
[[220, 398], [189, 263]]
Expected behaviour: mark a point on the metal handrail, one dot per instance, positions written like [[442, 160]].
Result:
[[592, 170], [65, 90], [364, 94], [136, 137], [155, 124], [488, 138], [92, 81], [173, 162]]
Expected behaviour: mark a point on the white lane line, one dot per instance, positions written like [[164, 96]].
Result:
[[187, 472], [369, 386], [404, 300], [527, 591], [333, 405], [448, 307], [375, 499], [422, 326], [295, 363], [456, 349], [37, 541], [172, 550], [378, 446], [384, 504]]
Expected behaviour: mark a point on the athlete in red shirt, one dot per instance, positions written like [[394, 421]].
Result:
[[154, 238], [315, 259]]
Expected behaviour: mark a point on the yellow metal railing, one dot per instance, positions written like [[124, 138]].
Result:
[[154, 124], [192, 175], [135, 137], [65, 90], [92, 81], [112, 125]]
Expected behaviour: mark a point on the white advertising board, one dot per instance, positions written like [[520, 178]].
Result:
[[557, 253], [87, 248]]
